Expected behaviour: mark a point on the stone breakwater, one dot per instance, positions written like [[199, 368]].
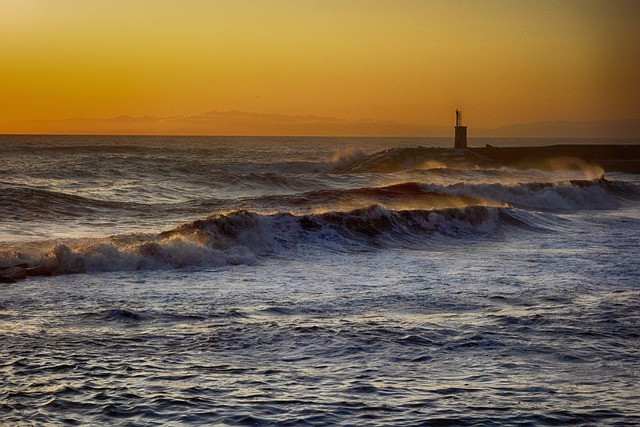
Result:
[[611, 158]]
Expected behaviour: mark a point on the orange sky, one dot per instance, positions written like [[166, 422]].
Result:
[[408, 62]]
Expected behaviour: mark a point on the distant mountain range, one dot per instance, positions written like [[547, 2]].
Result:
[[247, 123]]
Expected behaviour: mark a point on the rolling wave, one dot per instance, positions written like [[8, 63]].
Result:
[[542, 196], [26, 203], [33, 203], [242, 237], [408, 158], [403, 159]]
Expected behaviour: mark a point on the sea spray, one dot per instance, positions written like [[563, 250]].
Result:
[[243, 237]]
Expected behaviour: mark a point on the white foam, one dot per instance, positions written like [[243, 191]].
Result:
[[537, 196]]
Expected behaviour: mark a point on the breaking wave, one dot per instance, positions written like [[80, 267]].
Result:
[[242, 237], [402, 159], [543, 196], [408, 158], [24, 203]]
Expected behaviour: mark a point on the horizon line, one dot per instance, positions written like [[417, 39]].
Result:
[[250, 124], [315, 136]]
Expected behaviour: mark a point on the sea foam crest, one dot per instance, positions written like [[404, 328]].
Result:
[[542, 196], [406, 158], [242, 237], [560, 196]]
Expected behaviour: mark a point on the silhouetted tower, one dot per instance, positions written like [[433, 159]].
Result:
[[460, 140]]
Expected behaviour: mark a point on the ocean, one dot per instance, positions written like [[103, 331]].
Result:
[[314, 281]]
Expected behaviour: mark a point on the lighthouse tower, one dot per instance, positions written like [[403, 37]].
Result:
[[460, 140]]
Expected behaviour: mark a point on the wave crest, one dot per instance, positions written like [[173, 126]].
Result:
[[242, 237], [543, 196], [411, 158]]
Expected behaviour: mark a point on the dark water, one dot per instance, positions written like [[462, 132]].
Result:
[[304, 281]]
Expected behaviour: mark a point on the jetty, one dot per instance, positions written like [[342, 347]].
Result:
[[610, 157]]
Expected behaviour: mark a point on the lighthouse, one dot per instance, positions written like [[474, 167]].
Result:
[[460, 140]]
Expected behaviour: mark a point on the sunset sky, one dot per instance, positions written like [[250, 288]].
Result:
[[406, 62]]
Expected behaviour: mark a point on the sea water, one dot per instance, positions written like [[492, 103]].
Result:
[[314, 281]]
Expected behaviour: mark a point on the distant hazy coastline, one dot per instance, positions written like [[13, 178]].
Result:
[[239, 123]]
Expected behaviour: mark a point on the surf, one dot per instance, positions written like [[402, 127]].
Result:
[[244, 237]]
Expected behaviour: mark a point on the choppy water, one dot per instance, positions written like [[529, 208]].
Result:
[[313, 281]]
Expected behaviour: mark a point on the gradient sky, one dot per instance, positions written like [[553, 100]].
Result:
[[406, 61]]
